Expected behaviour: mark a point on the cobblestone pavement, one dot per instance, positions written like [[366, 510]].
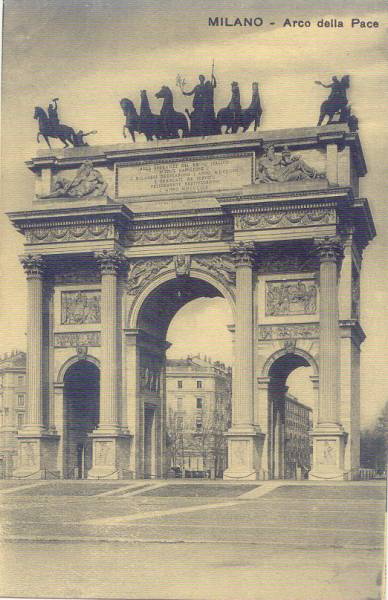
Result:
[[276, 541]]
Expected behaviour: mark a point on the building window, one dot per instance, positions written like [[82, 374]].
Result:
[[20, 399], [198, 423], [20, 420], [199, 403], [180, 384], [179, 423], [179, 403], [20, 379], [199, 385]]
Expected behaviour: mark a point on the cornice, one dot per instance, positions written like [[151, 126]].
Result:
[[365, 227], [352, 328], [259, 197], [23, 220], [295, 139]]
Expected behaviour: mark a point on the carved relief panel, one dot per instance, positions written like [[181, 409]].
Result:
[[76, 339], [290, 297], [28, 454], [80, 307], [103, 453]]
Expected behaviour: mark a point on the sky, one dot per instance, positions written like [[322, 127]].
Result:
[[92, 53]]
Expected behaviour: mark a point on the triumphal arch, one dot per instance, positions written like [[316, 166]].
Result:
[[120, 237]]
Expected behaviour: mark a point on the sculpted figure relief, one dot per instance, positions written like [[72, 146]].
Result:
[[81, 307], [88, 182], [282, 167], [297, 297]]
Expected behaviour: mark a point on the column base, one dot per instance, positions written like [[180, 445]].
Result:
[[328, 453], [245, 447], [37, 456], [111, 455]]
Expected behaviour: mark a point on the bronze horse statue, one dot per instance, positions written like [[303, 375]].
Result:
[[62, 132], [150, 124], [336, 102], [246, 117], [172, 122], [132, 119]]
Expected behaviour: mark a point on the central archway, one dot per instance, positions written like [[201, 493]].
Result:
[[81, 404], [150, 318]]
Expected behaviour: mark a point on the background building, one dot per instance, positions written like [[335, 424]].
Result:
[[12, 407], [292, 440], [199, 411]]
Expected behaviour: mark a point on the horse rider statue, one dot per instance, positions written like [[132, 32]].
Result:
[[337, 99]]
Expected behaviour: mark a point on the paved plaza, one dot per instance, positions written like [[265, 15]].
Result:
[[192, 540]]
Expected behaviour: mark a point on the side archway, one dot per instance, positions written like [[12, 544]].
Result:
[[290, 421], [81, 411], [71, 361], [296, 358]]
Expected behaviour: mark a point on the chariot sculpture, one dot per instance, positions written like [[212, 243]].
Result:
[[201, 121]]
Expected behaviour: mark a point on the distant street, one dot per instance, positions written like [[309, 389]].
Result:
[[302, 541]]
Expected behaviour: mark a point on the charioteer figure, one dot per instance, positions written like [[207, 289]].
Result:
[[202, 118], [198, 92]]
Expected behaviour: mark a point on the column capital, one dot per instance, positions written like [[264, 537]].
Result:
[[33, 265], [111, 262], [329, 249], [243, 254]]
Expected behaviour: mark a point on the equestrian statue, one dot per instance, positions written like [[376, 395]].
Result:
[[49, 125], [336, 102]]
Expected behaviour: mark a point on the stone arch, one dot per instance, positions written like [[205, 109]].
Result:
[[133, 317], [284, 352], [283, 455], [71, 361]]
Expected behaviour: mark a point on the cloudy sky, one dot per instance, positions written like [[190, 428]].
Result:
[[92, 53]]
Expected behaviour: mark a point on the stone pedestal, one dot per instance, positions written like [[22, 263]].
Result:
[[328, 435], [111, 456], [244, 439], [328, 453], [37, 456], [244, 454]]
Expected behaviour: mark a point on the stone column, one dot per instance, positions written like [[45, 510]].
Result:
[[110, 441], [37, 448], [242, 416], [244, 439], [111, 262], [328, 435], [33, 267]]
